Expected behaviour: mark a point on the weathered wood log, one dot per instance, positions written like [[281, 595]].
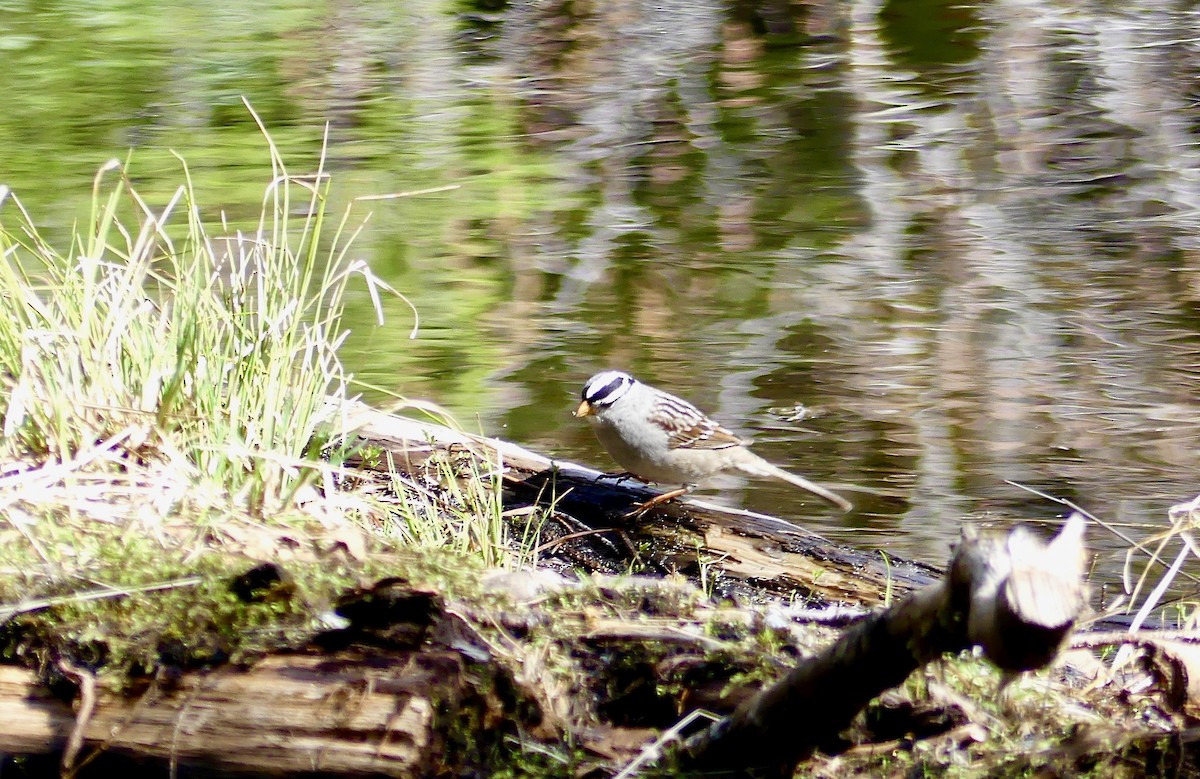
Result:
[[1017, 598], [748, 553], [288, 714], [386, 695]]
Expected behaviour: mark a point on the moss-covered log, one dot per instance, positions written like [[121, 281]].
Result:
[[404, 689]]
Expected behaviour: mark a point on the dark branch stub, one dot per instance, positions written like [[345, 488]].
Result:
[[1017, 597]]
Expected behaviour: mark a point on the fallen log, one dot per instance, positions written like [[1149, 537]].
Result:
[[418, 683], [406, 689], [748, 553], [289, 714], [389, 694], [1016, 598]]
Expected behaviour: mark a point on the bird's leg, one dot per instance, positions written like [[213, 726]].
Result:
[[660, 499]]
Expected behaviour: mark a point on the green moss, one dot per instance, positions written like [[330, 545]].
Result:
[[210, 615]]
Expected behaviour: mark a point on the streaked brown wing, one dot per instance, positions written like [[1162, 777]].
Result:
[[687, 427]]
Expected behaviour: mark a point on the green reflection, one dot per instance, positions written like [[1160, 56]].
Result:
[[932, 33]]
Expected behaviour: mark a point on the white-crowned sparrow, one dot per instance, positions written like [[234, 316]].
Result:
[[658, 437]]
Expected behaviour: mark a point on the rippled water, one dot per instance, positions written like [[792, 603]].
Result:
[[917, 250]]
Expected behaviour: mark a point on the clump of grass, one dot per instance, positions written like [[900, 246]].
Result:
[[169, 392], [143, 341], [465, 499], [451, 497]]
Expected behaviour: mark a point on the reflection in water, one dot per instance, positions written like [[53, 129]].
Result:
[[964, 237]]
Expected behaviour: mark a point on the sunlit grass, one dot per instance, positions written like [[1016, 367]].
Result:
[[168, 373], [466, 502], [219, 351]]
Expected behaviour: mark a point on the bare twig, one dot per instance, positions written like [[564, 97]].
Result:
[[87, 705]]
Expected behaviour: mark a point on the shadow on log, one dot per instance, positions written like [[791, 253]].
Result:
[[1014, 597]]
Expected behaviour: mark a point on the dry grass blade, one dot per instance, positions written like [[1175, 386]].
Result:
[[7, 612], [1112, 528]]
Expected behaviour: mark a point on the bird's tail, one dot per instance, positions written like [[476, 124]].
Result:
[[757, 466]]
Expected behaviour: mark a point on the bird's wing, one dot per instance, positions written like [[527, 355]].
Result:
[[688, 428]]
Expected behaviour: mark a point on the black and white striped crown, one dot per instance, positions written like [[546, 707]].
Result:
[[606, 387]]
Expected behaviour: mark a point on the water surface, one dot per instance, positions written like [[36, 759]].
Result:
[[916, 250]]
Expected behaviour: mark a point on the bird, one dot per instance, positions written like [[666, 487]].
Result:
[[661, 438]]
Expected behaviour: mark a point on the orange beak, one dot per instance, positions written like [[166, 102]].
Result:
[[584, 409]]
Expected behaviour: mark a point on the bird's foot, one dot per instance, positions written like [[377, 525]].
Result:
[[641, 509]]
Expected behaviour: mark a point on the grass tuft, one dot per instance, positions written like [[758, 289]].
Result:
[[169, 392], [210, 355]]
